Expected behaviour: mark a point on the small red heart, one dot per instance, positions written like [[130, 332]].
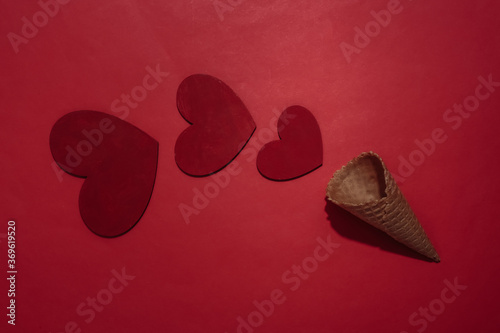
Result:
[[118, 161], [221, 125], [299, 150]]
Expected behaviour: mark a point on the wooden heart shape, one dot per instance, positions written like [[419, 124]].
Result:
[[299, 150], [220, 125], [119, 163]]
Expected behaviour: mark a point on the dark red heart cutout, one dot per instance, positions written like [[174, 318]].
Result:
[[221, 125], [299, 150], [119, 163]]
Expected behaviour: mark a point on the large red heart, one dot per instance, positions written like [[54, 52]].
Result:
[[299, 150], [118, 161], [221, 125]]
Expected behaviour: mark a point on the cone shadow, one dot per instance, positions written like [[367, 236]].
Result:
[[349, 226]]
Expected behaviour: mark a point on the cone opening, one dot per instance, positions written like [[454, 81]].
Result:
[[362, 180]]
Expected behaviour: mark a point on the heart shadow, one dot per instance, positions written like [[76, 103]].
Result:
[[349, 226]]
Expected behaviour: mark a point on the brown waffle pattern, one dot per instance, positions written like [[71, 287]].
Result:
[[390, 212]]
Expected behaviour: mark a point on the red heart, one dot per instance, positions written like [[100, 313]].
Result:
[[300, 149], [221, 125], [118, 161]]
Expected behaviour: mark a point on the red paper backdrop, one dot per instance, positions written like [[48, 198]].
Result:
[[387, 96]]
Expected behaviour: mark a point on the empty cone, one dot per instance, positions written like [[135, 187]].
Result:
[[365, 188]]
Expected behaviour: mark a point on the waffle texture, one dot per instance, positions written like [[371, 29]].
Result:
[[365, 188]]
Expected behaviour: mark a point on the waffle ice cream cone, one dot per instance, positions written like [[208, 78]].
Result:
[[365, 188]]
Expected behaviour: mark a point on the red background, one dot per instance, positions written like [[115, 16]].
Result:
[[199, 277]]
